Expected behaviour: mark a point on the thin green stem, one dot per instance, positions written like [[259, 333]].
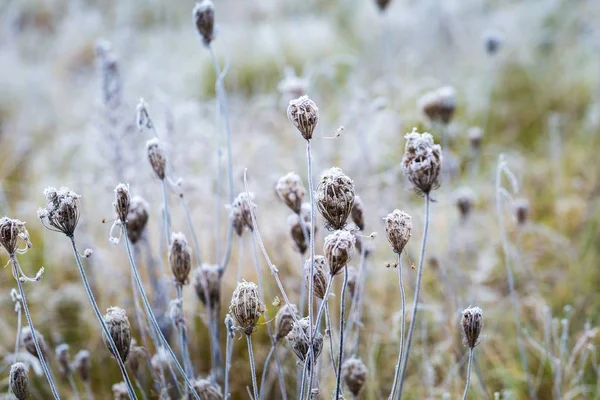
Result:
[[252, 367], [402, 324], [468, 374], [338, 386]]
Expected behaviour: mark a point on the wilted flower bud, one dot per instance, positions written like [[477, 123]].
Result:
[[63, 358], [284, 320], [204, 18], [320, 277], [137, 218], [492, 42], [241, 213], [207, 390], [422, 162], [354, 372], [397, 228], [475, 135], [29, 344], [472, 322], [157, 158], [335, 197], [120, 391], [13, 234], [447, 103], [464, 199], [212, 273], [82, 365], [135, 357], [430, 105], [122, 202], [357, 213], [522, 210], [18, 381], [246, 306], [338, 249], [353, 278], [180, 258], [304, 114], [294, 222], [298, 340], [120, 331], [289, 188], [61, 213]]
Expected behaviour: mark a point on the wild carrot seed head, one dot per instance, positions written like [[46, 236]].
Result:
[[290, 189], [135, 357], [353, 280], [422, 162], [464, 200], [63, 357], [298, 341], [28, 343], [82, 365], [338, 250], [122, 202], [357, 213], [382, 4], [475, 136], [304, 115], [207, 390], [354, 372], [246, 306], [14, 237], [240, 213], [180, 258], [204, 19], [120, 391], [335, 198], [62, 210], [522, 210], [157, 158], [212, 273], [120, 331], [472, 323], [398, 226], [320, 276], [284, 320], [137, 218], [18, 381], [295, 223]]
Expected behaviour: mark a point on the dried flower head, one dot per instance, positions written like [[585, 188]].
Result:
[[447, 103], [137, 218], [354, 372], [522, 210], [29, 344], [120, 391], [382, 4], [161, 361], [111, 78], [296, 231], [246, 306], [212, 274], [357, 213], [180, 258], [290, 189], [320, 276], [61, 213], [338, 249], [398, 226], [157, 158], [472, 322], [135, 357], [464, 200], [335, 198], [120, 331], [14, 237], [142, 117], [176, 311], [63, 357], [475, 136], [204, 18], [122, 202], [82, 365], [284, 320], [304, 114], [241, 212], [298, 341], [18, 381], [492, 42], [207, 390], [353, 277], [422, 162]]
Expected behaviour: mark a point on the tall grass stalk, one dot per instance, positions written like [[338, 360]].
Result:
[[468, 373], [402, 324]]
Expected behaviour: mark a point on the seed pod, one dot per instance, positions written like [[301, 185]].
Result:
[[353, 278], [294, 222], [212, 274], [397, 228], [29, 344], [135, 357], [62, 212], [206, 389], [472, 323], [82, 365], [304, 114], [354, 372], [204, 18], [475, 135], [180, 258], [430, 105], [290, 189], [63, 358], [464, 202], [246, 306], [120, 331], [157, 158], [120, 391], [13, 235], [338, 249], [122, 202], [522, 211], [241, 213], [335, 198], [298, 341], [447, 103], [18, 381], [137, 218], [422, 162], [320, 277], [357, 213], [284, 320]]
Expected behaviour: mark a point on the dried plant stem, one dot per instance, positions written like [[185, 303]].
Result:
[[166, 213], [42, 358], [402, 324], [341, 349], [241, 258], [357, 303], [73, 386], [185, 351], [311, 333], [266, 369], [140, 388], [19, 323], [303, 288], [107, 334], [252, 367], [228, 355], [330, 334], [468, 374], [88, 391], [416, 300]]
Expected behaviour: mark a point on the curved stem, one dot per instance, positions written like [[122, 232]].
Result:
[[468, 374], [402, 323], [413, 318], [252, 367], [341, 349], [185, 351], [265, 370]]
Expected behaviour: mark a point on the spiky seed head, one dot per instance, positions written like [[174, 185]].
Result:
[[204, 18], [320, 276], [18, 381], [475, 136], [62, 210], [82, 365], [135, 357], [14, 237], [464, 200], [29, 344], [120, 331], [64, 358], [335, 198], [246, 306], [284, 320], [207, 390], [398, 226], [212, 274], [295, 224], [304, 114], [447, 103], [298, 339], [522, 210], [353, 278], [338, 250], [290, 189], [422, 162], [180, 258], [157, 158], [354, 372], [492, 42], [241, 212], [120, 391], [357, 213], [137, 218], [122, 202], [472, 323]]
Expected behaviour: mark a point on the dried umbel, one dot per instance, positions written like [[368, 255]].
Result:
[[137, 218], [246, 306], [161, 361], [439, 105], [18, 381], [296, 231], [204, 18], [475, 136], [398, 226], [464, 200], [422, 162], [298, 341], [354, 372], [472, 322], [212, 274], [29, 344], [14, 237], [353, 280], [120, 391], [284, 320], [63, 358], [357, 213], [521, 210], [122, 202], [82, 365], [157, 158], [180, 258], [289, 188], [241, 212], [335, 198], [206, 389], [320, 276], [61, 213], [338, 250], [135, 357], [304, 114], [120, 331]]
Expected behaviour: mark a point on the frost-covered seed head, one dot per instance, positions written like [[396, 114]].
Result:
[[161, 360], [246, 306], [29, 344], [354, 372], [335, 198], [212, 273], [135, 357], [294, 222], [176, 311], [304, 114], [422, 162], [284, 320], [472, 323], [180, 258], [475, 135], [447, 103], [204, 18], [157, 158], [338, 250], [320, 276], [142, 117], [298, 341], [120, 391], [522, 210], [82, 365], [122, 202], [357, 213], [137, 218], [14, 237], [62, 212], [207, 390], [63, 357], [464, 200], [398, 226], [289, 188], [18, 381], [241, 212], [353, 277], [120, 331]]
